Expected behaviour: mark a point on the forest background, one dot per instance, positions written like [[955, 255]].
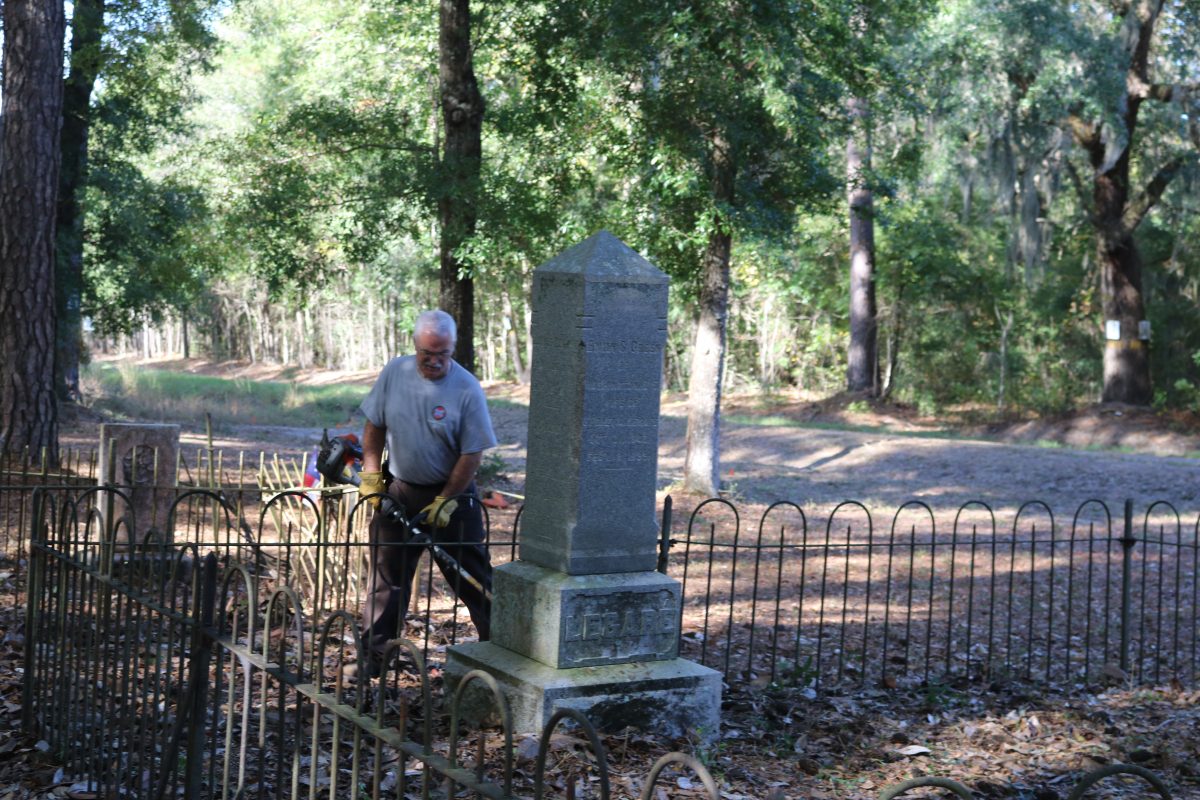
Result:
[[980, 203]]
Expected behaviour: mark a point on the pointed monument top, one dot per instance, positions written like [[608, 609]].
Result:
[[603, 256]]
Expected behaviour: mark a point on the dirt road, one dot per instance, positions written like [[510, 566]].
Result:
[[771, 458], [820, 467]]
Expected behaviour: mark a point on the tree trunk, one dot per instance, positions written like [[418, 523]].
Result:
[[862, 368], [29, 152], [462, 118], [893, 344], [1006, 324], [514, 346], [702, 465], [87, 27], [1126, 358], [1117, 211]]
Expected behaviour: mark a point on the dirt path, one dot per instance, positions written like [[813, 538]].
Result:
[[792, 452], [822, 467]]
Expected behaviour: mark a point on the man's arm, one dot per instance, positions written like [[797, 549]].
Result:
[[461, 475], [374, 439]]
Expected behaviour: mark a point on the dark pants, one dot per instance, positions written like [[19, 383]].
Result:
[[394, 563]]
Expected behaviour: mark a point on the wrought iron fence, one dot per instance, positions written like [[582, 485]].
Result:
[[241, 478], [928, 596], [124, 633], [151, 678], [977, 600], [20, 473]]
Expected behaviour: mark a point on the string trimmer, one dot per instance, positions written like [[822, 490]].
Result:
[[339, 461]]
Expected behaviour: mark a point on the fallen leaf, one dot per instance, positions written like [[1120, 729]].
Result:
[[914, 750]]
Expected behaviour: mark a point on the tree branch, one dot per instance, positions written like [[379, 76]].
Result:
[[1087, 135], [1191, 102], [1163, 92], [1085, 201], [366, 197], [1141, 205]]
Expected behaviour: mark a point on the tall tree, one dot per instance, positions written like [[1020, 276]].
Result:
[[862, 365], [862, 361], [724, 103], [29, 164], [142, 52], [1111, 143], [87, 29], [701, 469], [879, 35], [462, 156]]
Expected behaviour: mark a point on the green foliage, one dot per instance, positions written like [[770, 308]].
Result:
[[689, 82], [491, 469], [146, 247], [304, 180], [145, 252]]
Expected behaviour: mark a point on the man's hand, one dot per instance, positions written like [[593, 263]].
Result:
[[372, 484], [438, 512]]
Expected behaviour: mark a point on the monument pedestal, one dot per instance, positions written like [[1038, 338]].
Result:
[[566, 621], [670, 698], [606, 645]]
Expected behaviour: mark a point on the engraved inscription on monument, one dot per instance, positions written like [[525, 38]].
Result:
[[619, 627], [599, 327]]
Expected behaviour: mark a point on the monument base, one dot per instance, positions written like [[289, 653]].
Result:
[[676, 698]]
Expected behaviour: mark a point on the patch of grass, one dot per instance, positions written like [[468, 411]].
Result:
[[502, 402], [768, 421], [167, 396], [774, 421]]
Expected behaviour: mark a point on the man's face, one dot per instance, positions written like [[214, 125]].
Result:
[[433, 355]]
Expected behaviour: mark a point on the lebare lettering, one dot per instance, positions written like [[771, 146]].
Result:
[[593, 626]]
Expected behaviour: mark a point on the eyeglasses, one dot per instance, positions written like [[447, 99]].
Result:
[[440, 354]]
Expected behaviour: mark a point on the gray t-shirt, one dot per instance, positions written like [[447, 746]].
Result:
[[429, 423]]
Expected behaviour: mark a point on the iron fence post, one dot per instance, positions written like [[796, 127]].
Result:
[[201, 659], [664, 542], [1128, 542], [33, 597]]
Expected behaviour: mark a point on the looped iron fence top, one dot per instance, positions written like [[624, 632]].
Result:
[[924, 601], [795, 597], [916, 601], [1085, 783], [241, 709], [928, 599], [898, 789]]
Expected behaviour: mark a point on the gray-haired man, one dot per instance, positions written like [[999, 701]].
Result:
[[432, 415]]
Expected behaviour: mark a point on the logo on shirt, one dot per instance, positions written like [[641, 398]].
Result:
[[439, 412]]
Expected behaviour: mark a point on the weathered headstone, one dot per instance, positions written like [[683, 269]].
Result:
[[140, 460], [582, 620]]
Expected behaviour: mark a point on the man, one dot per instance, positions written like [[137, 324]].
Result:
[[432, 415]]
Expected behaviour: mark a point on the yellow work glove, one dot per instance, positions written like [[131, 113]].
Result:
[[438, 512], [372, 483]]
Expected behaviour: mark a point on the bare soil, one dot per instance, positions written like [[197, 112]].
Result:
[[818, 453]]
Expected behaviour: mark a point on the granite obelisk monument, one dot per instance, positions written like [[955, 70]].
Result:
[[582, 620]]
